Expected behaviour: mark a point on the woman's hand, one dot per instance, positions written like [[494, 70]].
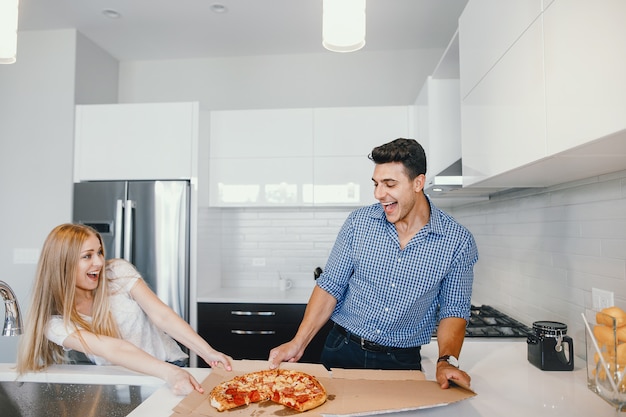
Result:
[[182, 382], [215, 358]]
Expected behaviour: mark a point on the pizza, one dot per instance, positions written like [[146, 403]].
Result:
[[296, 390]]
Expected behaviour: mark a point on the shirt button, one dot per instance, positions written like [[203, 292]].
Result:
[[393, 285], [386, 309], [377, 331]]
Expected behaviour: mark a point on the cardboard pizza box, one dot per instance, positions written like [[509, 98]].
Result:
[[350, 392]]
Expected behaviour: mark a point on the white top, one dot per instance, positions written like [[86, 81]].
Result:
[[133, 323]]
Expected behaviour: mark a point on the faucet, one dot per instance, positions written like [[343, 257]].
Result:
[[12, 318]]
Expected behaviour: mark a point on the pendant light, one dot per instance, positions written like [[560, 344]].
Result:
[[8, 31], [343, 25]]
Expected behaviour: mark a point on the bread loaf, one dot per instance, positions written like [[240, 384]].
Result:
[[605, 336], [605, 315]]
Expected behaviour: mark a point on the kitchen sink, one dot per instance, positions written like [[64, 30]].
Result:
[[40, 399]]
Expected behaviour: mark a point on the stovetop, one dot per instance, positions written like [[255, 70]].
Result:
[[486, 321]]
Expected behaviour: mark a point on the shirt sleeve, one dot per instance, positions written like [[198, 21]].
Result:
[[456, 288], [339, 268], [122, 275], [57, 332]]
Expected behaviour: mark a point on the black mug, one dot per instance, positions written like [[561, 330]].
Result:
[[549, 349]]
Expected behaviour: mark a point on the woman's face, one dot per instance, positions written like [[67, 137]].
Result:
[[90, 264]]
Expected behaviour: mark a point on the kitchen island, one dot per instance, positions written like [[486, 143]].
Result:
[[506, 384]]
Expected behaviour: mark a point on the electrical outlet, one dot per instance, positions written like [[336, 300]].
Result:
[[601, 299], [258, 261]]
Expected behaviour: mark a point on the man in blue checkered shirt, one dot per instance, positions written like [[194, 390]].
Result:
[[397, 269]]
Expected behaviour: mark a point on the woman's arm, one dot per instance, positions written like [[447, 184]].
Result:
[[171, 323], [123, 353]]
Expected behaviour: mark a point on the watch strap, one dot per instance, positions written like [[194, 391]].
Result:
[[450, 359]]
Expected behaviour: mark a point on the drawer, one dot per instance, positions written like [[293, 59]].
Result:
[[250, 331], [250, 313]]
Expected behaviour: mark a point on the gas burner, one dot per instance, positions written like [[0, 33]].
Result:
[[486, 321]]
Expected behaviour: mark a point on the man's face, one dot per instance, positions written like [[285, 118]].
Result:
[[395, 191]]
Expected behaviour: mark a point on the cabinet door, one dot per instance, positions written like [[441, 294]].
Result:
[[585, 46], [135, 141], [355, 131], [343, 139], [343, 181], [260, 182], [250, 331], [439, 123], [487, 29], [271, 133], [503, 118]]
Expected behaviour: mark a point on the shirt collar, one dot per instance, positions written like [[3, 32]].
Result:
[[435, 223]]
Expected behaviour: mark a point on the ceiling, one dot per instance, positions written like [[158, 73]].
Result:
[[178, 29]]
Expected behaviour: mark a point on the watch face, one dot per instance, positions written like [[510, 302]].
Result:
[[453, 361]]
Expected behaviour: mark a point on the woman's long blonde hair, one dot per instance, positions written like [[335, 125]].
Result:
[[54, 294]]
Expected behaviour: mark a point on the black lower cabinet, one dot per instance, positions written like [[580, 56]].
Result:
[[250, 330]]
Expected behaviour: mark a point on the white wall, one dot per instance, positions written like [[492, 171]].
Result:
[[37, 119], [97, 73], [542, 250], [281, 81], [37, 98]]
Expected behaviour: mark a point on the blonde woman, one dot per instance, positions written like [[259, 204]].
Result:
[[106, 311]]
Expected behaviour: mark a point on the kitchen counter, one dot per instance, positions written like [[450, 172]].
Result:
[[256, 295], [506, 384]]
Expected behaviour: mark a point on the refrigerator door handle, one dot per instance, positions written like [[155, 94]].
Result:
[[128, 230], [119, 224]]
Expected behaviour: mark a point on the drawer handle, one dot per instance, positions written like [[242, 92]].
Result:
[[246, 332], [252, 313]]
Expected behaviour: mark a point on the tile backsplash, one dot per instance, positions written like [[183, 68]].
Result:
[[251, 247], [541, 250]]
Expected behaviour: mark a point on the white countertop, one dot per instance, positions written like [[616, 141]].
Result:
[[506, 384], [256, 295]]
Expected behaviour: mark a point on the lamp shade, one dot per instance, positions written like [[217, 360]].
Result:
[[8, 31], [343, 25]]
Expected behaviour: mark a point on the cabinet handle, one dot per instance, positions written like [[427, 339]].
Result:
[[247, 332], [252, 313]]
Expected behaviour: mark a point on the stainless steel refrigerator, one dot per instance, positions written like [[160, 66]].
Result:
[[146, 223]]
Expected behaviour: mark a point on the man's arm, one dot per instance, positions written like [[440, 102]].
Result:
[[450, 336], [317, 312]]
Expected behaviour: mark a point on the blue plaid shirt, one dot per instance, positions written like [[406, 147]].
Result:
[[395, 296]]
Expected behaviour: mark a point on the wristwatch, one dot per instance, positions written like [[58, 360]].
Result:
[[452, 360]]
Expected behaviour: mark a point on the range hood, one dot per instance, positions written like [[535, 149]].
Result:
[[447, 180]]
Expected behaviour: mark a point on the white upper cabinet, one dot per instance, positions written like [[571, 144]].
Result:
[[585, 60], [439, 123], [552, 107], [268, 133], [503, 117], [136, 141], [260, 157], [489, 28], [355, 131], [343, 139], [298, 157]]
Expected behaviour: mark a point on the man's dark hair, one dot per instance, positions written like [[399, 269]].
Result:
[[407, 151]]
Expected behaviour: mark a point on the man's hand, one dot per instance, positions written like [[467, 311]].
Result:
[[287, 352], [446, 372]]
